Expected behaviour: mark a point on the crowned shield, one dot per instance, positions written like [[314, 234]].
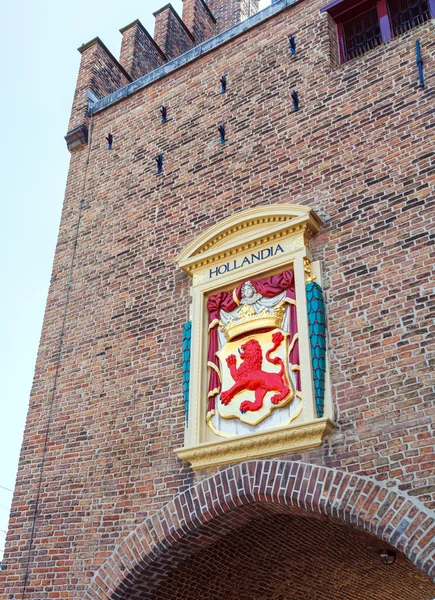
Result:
[[254, 367]]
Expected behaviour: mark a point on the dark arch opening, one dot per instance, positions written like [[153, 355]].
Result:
[[289, 557], [271, 552]]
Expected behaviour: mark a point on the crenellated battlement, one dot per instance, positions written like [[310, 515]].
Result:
[[102, 74], [199, 19], [140, 54], [171, 33]]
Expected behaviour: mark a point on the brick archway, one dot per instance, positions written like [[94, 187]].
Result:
[[374, 507]]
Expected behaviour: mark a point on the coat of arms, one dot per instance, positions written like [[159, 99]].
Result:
[[253, 356], [258, 327]]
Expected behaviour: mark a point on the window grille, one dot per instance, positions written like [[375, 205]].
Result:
[[407, 14], [361, 33], [365, 24]]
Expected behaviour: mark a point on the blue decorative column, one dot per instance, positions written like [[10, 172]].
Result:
[[187, 336], [317, 333]]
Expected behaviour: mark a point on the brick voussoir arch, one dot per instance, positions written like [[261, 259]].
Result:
[[375, 507]]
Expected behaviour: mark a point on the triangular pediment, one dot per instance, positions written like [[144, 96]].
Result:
[[246, 229]]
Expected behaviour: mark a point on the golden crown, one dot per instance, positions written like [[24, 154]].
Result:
[[249, 320]]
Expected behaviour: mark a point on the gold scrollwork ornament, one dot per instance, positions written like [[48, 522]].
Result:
[[309, 277]]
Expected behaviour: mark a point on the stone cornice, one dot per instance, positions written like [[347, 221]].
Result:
[[77, 137], [257, 445]]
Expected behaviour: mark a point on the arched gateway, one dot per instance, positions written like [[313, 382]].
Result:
[[264, 529]]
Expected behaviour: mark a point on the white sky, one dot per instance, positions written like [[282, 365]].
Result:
[[40, 65]]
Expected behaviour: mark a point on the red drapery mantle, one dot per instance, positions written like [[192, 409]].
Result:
[[228, 301]]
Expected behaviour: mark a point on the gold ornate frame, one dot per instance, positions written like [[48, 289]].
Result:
[[206, 259]]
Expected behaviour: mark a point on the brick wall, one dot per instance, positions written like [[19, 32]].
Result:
[[359, 152]]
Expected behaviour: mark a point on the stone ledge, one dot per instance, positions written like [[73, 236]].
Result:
[[77, 137], [258, 445]]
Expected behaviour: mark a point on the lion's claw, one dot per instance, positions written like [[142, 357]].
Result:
[[277, 399], [245, 406], [231, 360], [225, 398]]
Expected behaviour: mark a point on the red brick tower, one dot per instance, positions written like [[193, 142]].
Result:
[[264, 183]]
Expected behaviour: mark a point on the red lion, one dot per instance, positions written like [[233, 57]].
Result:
[[249, 375]]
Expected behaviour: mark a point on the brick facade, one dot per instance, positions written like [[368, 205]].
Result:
[[360, 153]]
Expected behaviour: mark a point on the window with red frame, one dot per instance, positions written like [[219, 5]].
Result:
[[364, 25]]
